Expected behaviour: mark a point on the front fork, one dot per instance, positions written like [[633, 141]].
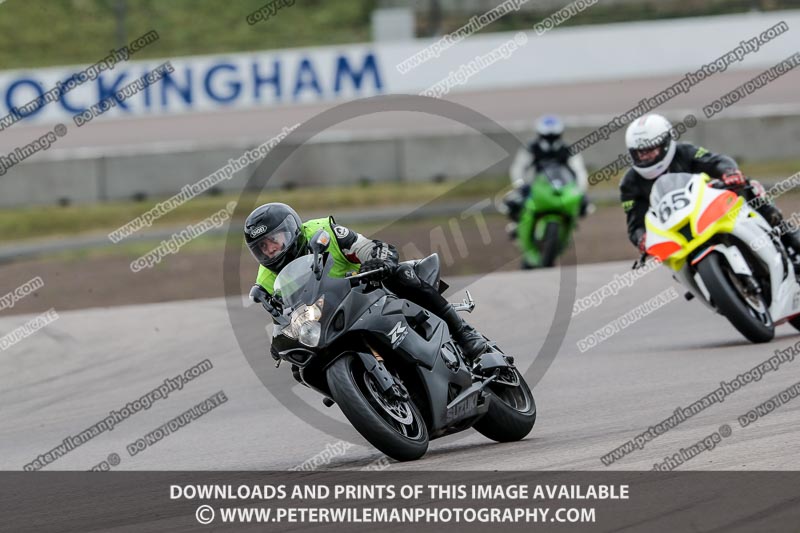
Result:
[[391, 387]]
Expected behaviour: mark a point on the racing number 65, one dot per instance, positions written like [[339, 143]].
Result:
[[676, 201]]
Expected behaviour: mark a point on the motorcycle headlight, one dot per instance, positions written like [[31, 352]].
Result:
[[309, 333], [305, 325]]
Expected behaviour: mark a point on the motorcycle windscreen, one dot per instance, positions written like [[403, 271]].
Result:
[[558, 175], [296, 284], [668, 183], [290, 283]]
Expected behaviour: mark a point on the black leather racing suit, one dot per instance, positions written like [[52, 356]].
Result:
[[560, 154]]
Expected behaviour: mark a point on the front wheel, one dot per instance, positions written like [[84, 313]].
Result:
[[512, 410], [550, 244], [393, 426], [746, 311]]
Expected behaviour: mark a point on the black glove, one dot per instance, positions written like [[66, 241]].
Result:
[[382, 256], [274, 353]]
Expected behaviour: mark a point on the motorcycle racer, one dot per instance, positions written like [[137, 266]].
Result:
[[275, 236], [548, 146], [655, 152]]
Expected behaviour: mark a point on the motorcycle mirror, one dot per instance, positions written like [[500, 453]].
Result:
[[319, 242]]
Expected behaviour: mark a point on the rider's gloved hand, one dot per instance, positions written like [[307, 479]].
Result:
[[274, 353], [758, 189], [734, 178], [383, 256]]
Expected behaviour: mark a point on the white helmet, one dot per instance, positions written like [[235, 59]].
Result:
[[549, 125], [549, 129], [650, 143]]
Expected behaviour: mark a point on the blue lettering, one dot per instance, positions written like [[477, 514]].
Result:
[[62, 97], [185, 92], [104, 92], [13, 110], [300, 83], [343, 69], [236, 86], [274, 80], [148, 99]]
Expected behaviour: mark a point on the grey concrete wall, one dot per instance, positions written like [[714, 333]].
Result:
[[454, 155], [164, 174], [46, 182]]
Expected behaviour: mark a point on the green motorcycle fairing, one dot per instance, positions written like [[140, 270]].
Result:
[[554, 198]]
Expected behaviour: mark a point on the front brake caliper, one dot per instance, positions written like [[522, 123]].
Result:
[[398, 390]]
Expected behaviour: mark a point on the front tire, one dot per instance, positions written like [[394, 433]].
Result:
[[550, 244], [754, 325], [512, 410], [380, 421]]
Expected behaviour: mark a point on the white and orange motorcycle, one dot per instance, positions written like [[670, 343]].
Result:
[[724, 253]]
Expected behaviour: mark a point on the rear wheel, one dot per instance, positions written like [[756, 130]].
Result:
[[743, 308], [512, 410], [550, 244], [393, 426]]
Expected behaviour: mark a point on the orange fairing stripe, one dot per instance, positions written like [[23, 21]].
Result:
[[715, 210], [664, 249]]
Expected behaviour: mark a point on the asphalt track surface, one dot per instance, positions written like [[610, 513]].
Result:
[[69, 375], [602, 99]]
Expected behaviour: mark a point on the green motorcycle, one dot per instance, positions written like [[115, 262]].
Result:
[[549, 216]]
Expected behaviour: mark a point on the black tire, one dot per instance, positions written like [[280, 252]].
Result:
[[504, 422], [717, 278], [550, 244], [349, 388]]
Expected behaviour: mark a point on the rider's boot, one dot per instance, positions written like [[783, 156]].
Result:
[[791, 238], [789, 234], [469, 340], [511, 230], [585, 207], [513, 202]]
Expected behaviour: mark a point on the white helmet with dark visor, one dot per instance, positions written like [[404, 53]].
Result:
[[651, 145]]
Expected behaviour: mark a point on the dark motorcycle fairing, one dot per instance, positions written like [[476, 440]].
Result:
[[377, 325]]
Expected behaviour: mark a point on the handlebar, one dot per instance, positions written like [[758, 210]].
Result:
[[273, 306], [368, 273], [719, 184]]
